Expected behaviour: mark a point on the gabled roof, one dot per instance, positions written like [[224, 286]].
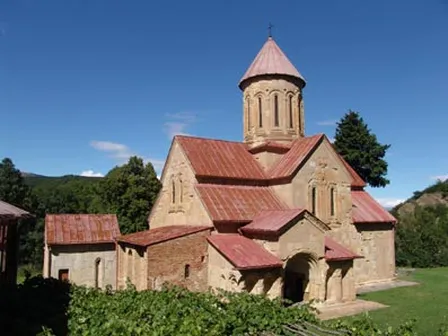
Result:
[[367, 210], [237, 203], [68, 229], [357, 181], [271, 60], [220, 159], [335, 251], [300, 150], [243, 253], [9, 211], [272, 221], [161, 234]]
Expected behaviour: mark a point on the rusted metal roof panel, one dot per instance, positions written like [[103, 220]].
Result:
[[9, 211], [367, 210], [161, 234], [237, 203], [221, 159], [68, 229], [271, 221], [291, 161], [243, 253], [271, 60], [335, 251]]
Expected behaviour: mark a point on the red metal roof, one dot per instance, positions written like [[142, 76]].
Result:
[[80, 229], [161, 234], [271, 221], [9, 211], [243, 253], [367, 210], [335, 251], [357, 180], [299, 152], [271, 60], [237, 203], [221, 159]]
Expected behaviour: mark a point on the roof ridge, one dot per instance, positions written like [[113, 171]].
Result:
[[208, 139]]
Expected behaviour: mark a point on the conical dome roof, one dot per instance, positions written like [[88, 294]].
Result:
[[271, 60]]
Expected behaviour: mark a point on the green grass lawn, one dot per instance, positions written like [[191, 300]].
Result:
[[426, 302]]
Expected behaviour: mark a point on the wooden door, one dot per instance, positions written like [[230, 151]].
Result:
[[63, 275]]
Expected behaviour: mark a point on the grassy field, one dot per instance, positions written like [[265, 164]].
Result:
[[426, 302]]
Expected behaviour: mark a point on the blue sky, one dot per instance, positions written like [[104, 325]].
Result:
[[86, 83]]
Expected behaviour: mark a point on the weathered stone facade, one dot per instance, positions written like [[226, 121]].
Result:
[[92, 265], [179, 261]]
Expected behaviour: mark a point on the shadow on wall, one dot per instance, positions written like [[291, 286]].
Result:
[[38, 302]]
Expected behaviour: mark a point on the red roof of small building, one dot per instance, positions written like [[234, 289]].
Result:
[[68, 229], [300, 150], [335, 251], [220, 159], [367, 210], [243, 253], [272, 221], [161, 234], [271, 60], [237, 203]]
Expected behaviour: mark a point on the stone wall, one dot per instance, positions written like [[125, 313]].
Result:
[[183, 205], [378, 249], [182, 261], [81, 261], [132, 266]]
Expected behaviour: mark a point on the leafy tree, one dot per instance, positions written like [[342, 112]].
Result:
[[12, 188], [130, 191], [355, 142]]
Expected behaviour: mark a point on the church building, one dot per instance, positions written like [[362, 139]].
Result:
[[280, 213]]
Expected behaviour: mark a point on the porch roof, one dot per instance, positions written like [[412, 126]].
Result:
[[336, 252], [9, 211], [243, 253]]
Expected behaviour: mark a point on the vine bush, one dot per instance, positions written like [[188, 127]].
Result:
[[49, 307]]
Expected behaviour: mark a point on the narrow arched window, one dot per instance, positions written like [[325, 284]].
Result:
[[260, 113], [187, 271], [276, 118], [97, 272], [181, 191], [299, 115], [290, 112], [173, 191], [313, 200], [332, 201]]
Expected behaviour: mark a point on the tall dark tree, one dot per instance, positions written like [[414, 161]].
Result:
[[356, 143], [130, 191], [12, 188]]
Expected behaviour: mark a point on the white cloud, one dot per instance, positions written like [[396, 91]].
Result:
[[177, 123], [331, 140], [327, 123], [440, 177], [91, 173], [389, 202], [122, 153], [116, 150]]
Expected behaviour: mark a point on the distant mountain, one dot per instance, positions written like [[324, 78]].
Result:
[[436, 194], [35, 180]]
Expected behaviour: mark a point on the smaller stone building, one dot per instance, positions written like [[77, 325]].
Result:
[[171, 254], [81, 249]]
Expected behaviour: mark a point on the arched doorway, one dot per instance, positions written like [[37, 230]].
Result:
[[297, 275]]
